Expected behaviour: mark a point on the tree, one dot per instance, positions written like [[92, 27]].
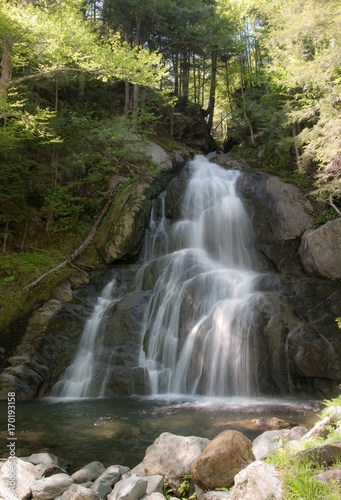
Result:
[[45, 41]]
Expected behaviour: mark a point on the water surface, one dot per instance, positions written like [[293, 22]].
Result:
[[118, 430]]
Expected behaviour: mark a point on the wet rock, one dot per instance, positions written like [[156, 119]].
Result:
[[280, 214], [221, 460], [62, 292], [175, 193], [255, 425], [172, 456], [120, 237], [268, 442], [89, 472], [258, 480], [132, 488], [320, 250], [50, 487], [45, 347]]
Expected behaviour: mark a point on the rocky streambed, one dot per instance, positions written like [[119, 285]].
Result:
[[228, 467]]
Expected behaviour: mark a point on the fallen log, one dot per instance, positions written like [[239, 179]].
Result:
[[80, 249]]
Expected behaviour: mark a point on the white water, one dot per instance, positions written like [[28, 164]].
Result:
[[156, 239], [196, 338], [76, 381]]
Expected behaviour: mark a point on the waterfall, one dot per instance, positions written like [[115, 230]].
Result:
[[156, 238], [76, 381], [196, 338]]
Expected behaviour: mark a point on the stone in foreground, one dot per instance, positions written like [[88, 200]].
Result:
[[222, 459]]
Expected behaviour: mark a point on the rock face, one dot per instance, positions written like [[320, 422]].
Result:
[[320, 250], [296, 346], [222, 459], [280, 214], [120, 236], [47, 347], [172, 456]]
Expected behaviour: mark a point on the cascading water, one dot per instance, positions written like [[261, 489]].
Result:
[[76, 381], [196, 338], [156, 238]]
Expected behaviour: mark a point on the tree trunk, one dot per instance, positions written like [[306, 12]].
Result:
[[211, 103], [6, 67], [252, 136], [126, 96], [295, 133]]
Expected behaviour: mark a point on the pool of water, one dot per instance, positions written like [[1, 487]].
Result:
[[118, 430]]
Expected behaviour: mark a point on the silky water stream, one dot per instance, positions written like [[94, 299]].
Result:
[[196, 347]]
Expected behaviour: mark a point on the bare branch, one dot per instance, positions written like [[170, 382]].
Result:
[[80, 249], [333, 205]]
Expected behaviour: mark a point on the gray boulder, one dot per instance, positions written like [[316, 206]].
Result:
[[106, 481], [89, 472], [320, 250], [268, 442], [43, 458], [132, 488], [50, 487], [258, 481], [16, 475], [326, 454], [155, 484], [172, 456]]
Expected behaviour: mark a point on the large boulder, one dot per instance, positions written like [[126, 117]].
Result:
[[320, 250], [120, 235], [258, 481], [16, 475], [294, 323], [172, 456], [50, 487], [225, 456]]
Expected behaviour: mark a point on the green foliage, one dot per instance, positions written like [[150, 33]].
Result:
[[338, 321], [298, 178], [298, 476], [325, 216], [183, 490], [167, 491], [305, 488], [185, 486]]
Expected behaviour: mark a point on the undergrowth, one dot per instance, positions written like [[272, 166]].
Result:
[[299, 476]]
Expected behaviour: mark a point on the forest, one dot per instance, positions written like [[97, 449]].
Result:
[[79, 76]]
